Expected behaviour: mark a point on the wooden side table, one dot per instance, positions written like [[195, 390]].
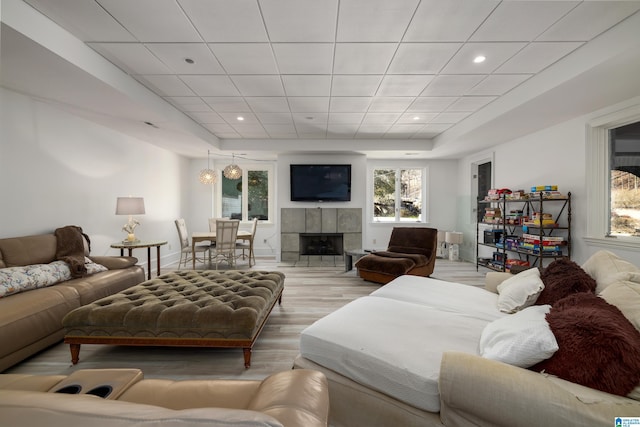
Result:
[[131, 246]]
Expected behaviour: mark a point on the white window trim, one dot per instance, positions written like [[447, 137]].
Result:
[[246, 167], [597, 155], [425, 193]]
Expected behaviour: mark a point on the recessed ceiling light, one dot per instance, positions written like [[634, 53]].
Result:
[[240, 118], [189, 61], [309, 117], [478, 59], [416, 117]]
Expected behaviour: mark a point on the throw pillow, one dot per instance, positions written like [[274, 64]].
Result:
[[519, 291], [606, 268], [19, 279], [625, 294], [93, 267], [562, 278], [522, 339], [598, 346]]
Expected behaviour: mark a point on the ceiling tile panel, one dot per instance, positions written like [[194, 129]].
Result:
[[280, 128], [399, 85], [275, 118], [269, 104], [495, 53], [432, 130], [175, 56], [380, 118], [153, 20], [304, 58], [448, 21], [133, 58], [306, 104], [210, 85], [223, 128], [403, 131], [449, 117], [375, 131], [374, 20], [363, 58], [470, 103], [86, 19], [189, 103], [431, 103], [226, 21], [300, 20], [422, 58], [307, 85], [240, 118], [521, 20], [166, 85], [349, 104], [227, 104], [390, 104], [451, 85], [416, 117], [259, 85], [345, 118], [245, 58], [355, 85], [589, 19], [307, 119], [536, 57], [341, 130], [206, 117], [497, 84]]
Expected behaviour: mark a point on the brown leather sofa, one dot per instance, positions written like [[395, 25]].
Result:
[[411, 250], [116, 397], [31, 321]]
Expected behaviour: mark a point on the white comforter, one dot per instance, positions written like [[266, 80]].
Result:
[[392, 340]]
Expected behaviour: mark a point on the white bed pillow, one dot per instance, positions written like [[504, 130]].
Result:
[[520, 291], [607, 268], [523, 339]]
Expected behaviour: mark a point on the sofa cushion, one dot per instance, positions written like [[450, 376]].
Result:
[[606, 268], [598, 346], [20, 279], [519, 291], [522, 339], [386, 264], [562, 278], [625, 294]]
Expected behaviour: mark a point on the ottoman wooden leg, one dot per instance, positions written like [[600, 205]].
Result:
[[75, 353], [247, 356]]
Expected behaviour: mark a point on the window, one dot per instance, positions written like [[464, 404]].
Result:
[[246, 205], [613, 154], [624, 182], [398, 195]]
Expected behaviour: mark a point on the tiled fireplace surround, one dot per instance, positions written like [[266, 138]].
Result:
[[296, 221]]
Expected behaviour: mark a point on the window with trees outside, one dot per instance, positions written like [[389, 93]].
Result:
[[624, 180], [248, 197], [398, 194]]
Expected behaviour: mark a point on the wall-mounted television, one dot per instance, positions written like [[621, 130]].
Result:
[[320, 183]]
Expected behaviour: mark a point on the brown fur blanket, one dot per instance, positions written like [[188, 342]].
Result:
[[70, 248]]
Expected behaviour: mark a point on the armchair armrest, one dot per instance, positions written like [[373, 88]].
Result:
[[483, 392], [493, 279], [115, 262]]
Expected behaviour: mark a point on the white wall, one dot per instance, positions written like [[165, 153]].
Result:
[[57, 169], [555, 155]]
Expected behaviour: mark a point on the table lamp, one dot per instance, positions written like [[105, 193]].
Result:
[[130, 206], [454, 239], [441, 248]]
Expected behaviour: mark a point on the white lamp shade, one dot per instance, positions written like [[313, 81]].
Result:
[[441, 236], [453, 237], [130, 206]]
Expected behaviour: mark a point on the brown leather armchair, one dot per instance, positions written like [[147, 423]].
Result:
[[411, 250]]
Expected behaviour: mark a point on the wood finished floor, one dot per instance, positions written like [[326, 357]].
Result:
[[310, 293]]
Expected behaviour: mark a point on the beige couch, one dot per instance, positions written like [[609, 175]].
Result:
[[471, 390], [117, 397], [32, 320]]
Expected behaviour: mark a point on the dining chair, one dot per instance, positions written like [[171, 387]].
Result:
[[247, 245], [226, 236], [186, 251]]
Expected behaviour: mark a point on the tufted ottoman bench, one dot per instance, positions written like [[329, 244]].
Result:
[[207, 308]]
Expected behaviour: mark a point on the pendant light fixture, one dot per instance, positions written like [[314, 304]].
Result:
[[208, 175], [232, 171]]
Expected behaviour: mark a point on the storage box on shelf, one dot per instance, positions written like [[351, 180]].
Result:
[[524, 229]]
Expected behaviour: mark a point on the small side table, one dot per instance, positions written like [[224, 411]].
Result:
[[131, 246], [353, 253]]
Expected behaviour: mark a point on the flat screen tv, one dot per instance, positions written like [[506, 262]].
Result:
[[320, 183]]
